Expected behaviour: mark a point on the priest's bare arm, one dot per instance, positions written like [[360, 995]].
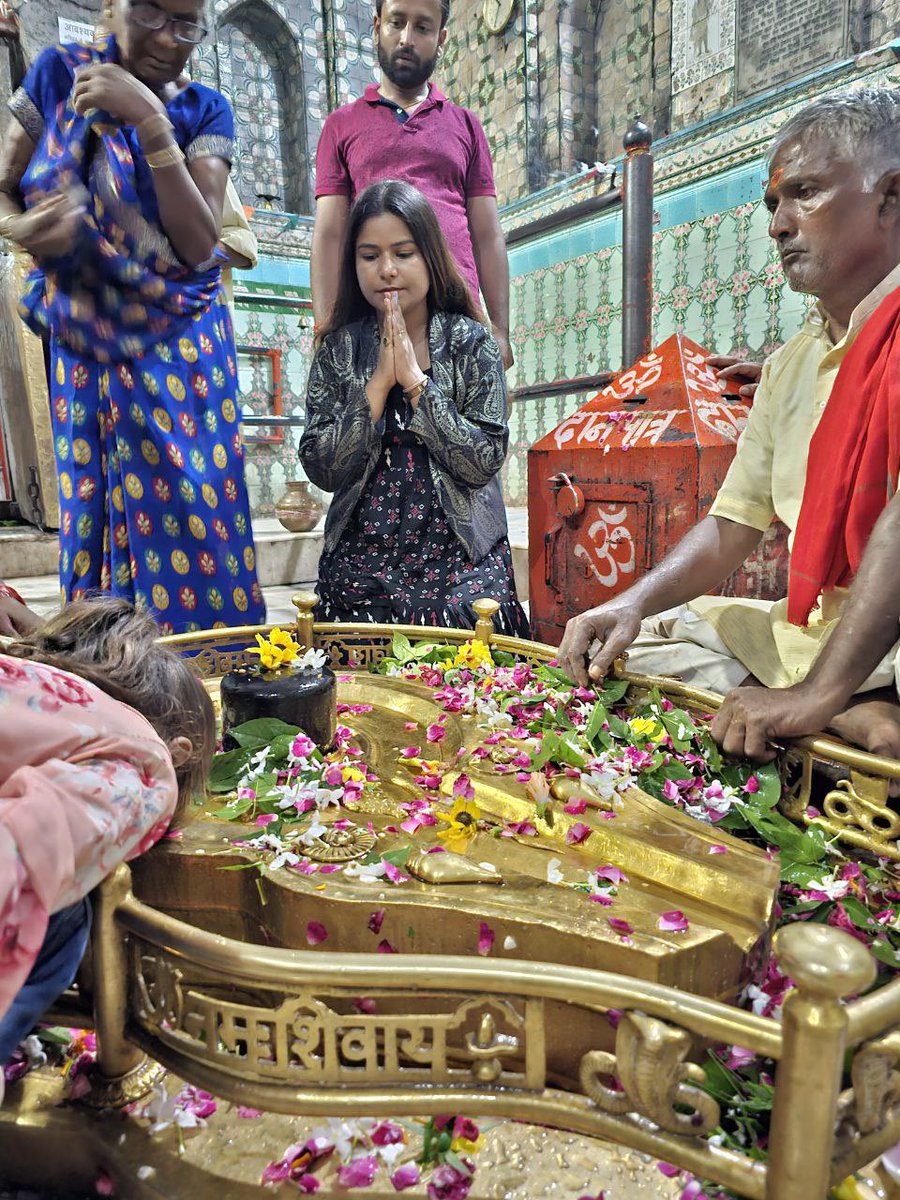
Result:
[[750, 718], [699, 563]]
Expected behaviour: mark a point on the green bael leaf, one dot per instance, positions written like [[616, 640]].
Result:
[[253, 735], [227, 770]]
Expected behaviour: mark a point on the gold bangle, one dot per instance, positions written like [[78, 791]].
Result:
[[169, 156], [152, 125], [416, 390]]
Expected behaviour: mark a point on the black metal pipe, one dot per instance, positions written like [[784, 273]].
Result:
[[637, 243], [561, 387]]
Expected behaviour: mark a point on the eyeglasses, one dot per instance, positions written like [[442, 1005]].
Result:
[[151, 16]]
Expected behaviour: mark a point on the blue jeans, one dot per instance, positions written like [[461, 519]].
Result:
[[53, 971]]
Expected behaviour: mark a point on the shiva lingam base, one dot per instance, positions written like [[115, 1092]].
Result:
[[211, 977]]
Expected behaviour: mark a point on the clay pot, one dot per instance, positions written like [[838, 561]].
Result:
[[299, 509]]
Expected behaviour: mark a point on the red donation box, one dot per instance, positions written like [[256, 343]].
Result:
[[615, 486]]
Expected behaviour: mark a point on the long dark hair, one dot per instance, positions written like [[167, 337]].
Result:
[[447, 292], [111, 645]]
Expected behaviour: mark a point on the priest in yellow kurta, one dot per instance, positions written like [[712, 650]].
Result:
[[821, 451]]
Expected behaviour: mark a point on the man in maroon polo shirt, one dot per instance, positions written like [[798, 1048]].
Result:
[[407, 129]]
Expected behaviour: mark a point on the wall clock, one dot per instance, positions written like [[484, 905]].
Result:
[[497, 14]]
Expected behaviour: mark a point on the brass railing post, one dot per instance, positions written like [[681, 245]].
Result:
[[123, 1073], [485, 611], [305, 603], [826, 965]]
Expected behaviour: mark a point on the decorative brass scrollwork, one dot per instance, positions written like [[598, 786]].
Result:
[[656, 1081], [876, 1082], [158, 995]]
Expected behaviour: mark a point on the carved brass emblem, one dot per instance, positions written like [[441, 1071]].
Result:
[[656, 1081], [340, 845]]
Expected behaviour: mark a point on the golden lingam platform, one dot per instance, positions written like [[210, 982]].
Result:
[[209, 972]]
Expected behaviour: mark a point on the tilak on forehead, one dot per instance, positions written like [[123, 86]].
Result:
[[775, 177]]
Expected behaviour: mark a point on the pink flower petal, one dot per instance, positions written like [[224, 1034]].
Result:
[[405, 1177], [752, 785], [601, 898], [578, 833], [315, 933], [575, 807], [359, 1172], [462, 787], [619, 925], [435, 733], [613, 874], [265, 819], [394, 874], [485, 938], [365, 1005], [673, 921], [385, 947], [386, 1133], [376, 920], [717, 849], [668, 1170], [410, 725], [410, 752], [248, 1114]]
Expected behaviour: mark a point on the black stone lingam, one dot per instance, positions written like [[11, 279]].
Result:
[[306, 698]]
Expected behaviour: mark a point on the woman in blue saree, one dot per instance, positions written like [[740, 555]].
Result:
[[113, 177]]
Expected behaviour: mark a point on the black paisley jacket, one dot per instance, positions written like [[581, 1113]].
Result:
[[460, 419]]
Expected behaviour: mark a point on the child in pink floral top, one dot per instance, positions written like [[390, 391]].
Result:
[[86, 782]]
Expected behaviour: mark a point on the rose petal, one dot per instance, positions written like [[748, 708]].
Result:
[[613, 874], [576, 807], [385, 947], [386, 1133], [619, 925], [717, 849], [405, 1177], [315, 933], [435, 733], [578, 833], [359, 1172], [673, 921], [485, 938], [376, 920], [410, 725]]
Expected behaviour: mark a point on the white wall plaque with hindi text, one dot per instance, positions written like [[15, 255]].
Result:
[[75, 31]]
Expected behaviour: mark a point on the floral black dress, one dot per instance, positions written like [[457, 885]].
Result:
[[398, 560]]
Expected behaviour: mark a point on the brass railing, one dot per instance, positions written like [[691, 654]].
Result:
[[276, 1029]]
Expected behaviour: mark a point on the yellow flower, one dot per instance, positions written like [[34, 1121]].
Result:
[[849, 1189], [281, 637], [352, 775], [644, 727], [461, 824], [278, 650], [473, 655], [463, 1145]]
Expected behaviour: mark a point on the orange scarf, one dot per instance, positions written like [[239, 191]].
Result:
[[854, 458]]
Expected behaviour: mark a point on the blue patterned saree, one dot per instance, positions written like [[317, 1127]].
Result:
[[143, 366]]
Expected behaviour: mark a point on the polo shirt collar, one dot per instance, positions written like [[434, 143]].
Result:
[[435, 96]]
